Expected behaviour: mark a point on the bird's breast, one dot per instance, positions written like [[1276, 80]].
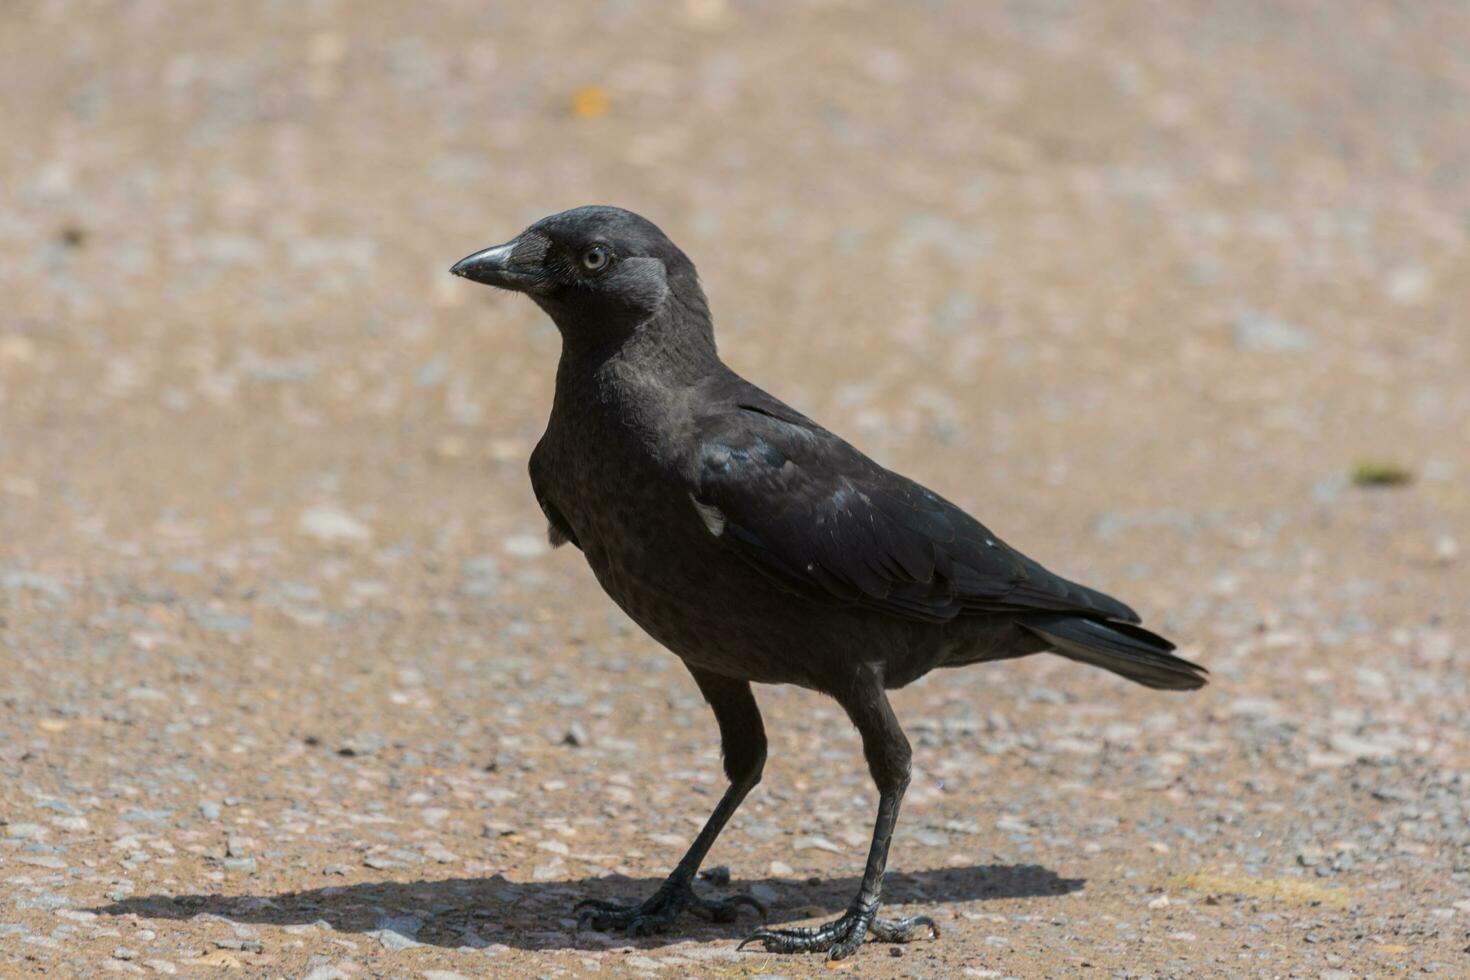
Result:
[[651, 552]]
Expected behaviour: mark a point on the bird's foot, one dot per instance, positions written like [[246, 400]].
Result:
[[661, 909], [840, 938]]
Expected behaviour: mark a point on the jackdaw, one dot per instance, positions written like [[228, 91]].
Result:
[[758, 546]]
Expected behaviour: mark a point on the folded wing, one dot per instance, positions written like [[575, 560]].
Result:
[[823, 520]]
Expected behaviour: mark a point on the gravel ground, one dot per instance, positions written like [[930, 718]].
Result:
[[1173, 295]]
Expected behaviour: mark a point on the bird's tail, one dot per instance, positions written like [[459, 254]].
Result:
[[1123, 648]]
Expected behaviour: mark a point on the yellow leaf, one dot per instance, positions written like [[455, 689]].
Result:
[[590, 102], [1292, 891]]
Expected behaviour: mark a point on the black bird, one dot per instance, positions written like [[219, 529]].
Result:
[[758, 546]]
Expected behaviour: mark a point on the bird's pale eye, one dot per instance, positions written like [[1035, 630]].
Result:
[[595, 259]]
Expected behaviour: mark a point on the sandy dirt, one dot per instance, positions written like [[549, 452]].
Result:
[[289, 681]]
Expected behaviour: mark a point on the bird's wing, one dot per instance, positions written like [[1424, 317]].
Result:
[[823, 520], [558, 531]]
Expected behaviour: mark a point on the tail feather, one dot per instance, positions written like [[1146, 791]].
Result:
[[1123, 648]]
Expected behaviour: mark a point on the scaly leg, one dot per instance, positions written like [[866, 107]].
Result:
[[743, 741], [888, 755]]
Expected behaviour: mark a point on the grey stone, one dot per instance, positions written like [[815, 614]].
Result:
[[396, 933], [1266, 334]]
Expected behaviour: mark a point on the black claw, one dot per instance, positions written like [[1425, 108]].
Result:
[[763, 936], [759, 906], [728, 910], [661, 909], [901, 930], [714, 912], [841, 937], [599, 904]]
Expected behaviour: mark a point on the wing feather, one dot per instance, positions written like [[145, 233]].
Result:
[[825, 521]]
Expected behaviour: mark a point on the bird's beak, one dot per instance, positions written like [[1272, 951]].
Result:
[[495, 267]]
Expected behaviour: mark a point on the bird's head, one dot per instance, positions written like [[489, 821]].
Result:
[[592, 269]]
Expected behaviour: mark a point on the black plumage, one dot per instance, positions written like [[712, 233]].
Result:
[[758, 546]]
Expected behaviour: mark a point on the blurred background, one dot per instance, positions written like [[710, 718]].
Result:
[[1172, 295]]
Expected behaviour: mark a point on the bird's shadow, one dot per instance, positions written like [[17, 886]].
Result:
[[475, 912]]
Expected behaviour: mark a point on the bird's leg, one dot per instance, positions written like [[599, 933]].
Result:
[[887, 752], [743, 741]]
